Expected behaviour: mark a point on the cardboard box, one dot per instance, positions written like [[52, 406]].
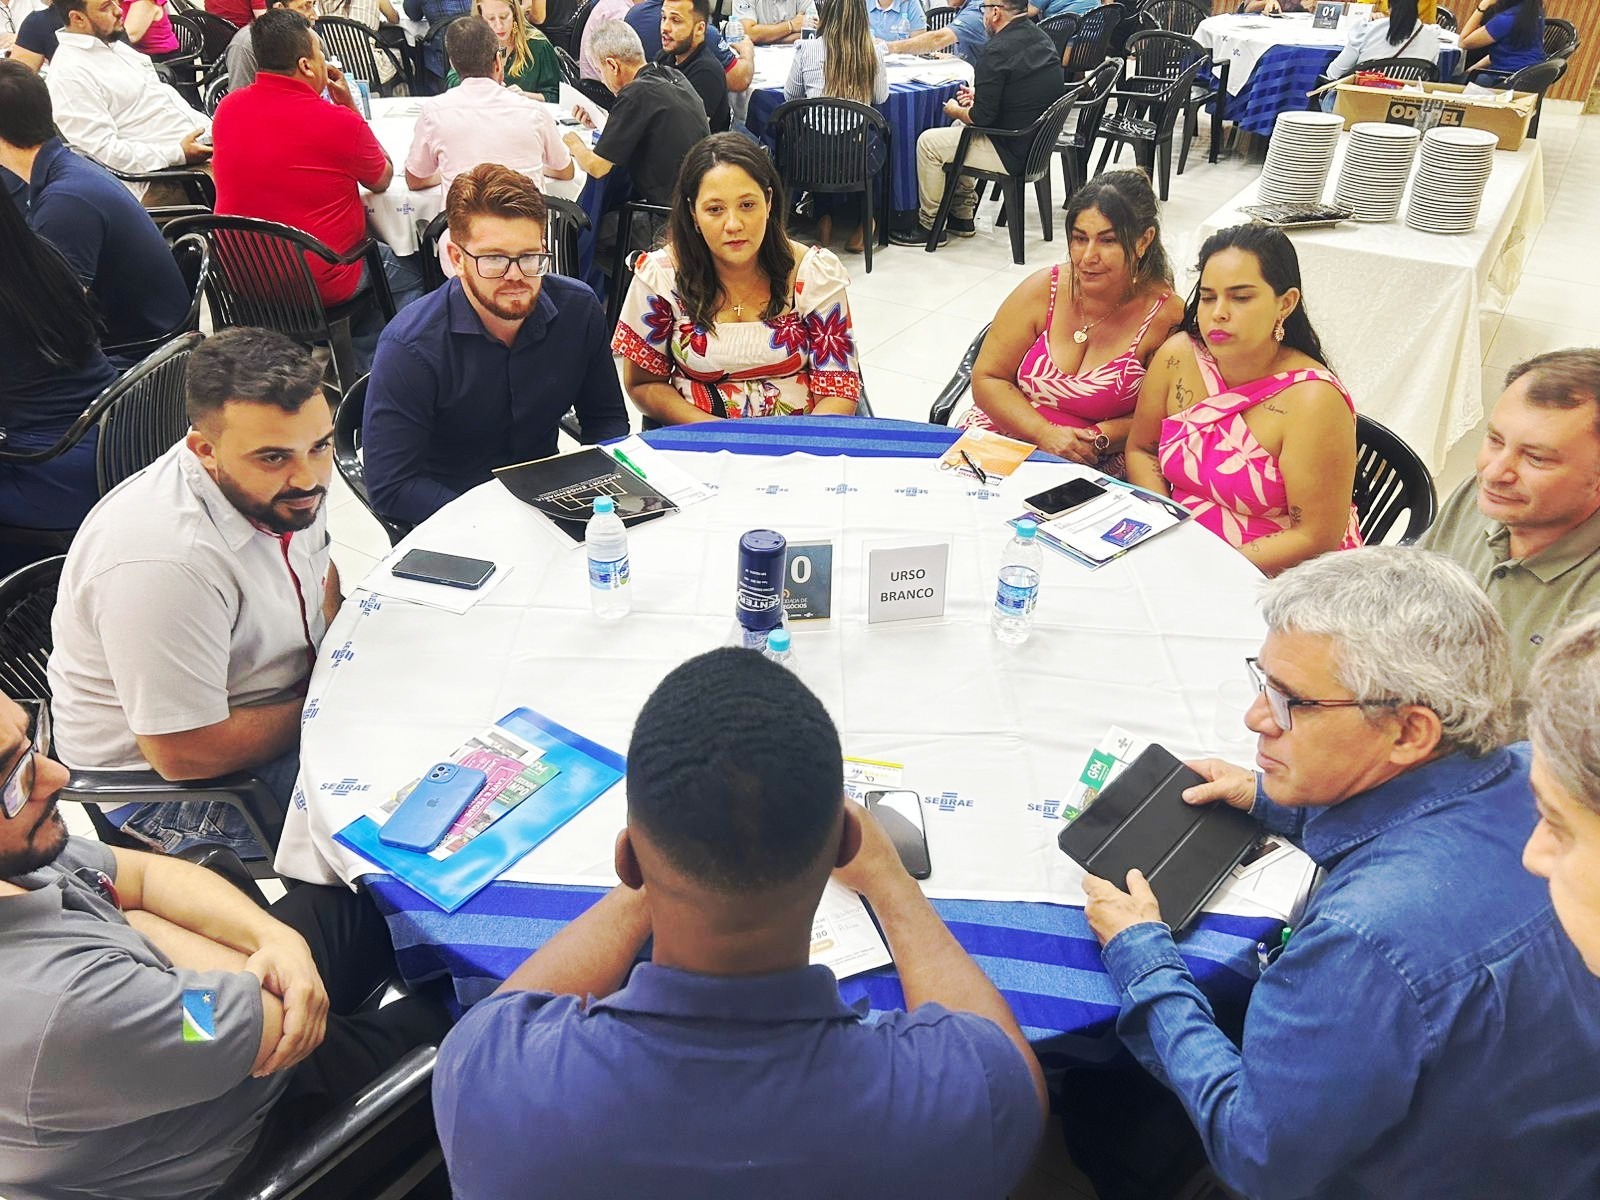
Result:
[[1438, 104]]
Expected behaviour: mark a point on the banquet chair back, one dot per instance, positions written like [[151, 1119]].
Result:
[[622, 257], [938, 18], [1446, 19], [564, 225], [1538, 79], [347, 423], [356, 47], [836, 147], [1093, 40], [1391, 482], [149, 418], [27, 598], [185, 68], [944, 404], [1418, 69], [570, 74], [597, 91], [1089, 102], [1176, 16], [215, 34], [1561, 38], [574, 30], [429, 234], [1061, 28], [214, 92], [1149, 106], [193, 257]]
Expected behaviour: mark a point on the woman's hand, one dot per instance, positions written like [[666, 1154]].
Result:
[[1074, 445]]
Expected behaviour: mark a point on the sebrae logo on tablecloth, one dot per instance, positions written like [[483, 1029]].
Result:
[[1050, 810], [299, 798], [772, 489], [311, 709], [341, 656], [346, 786], [370, 605], [948, 801], [911, 491], [983, 493], [841, 489]]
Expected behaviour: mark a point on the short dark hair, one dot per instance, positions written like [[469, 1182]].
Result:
[[67, 7], [280, 38], [472, 47], [735, 772], [25, 116], [1562, 379], [701, 9], [259, 366], [1015, 6]]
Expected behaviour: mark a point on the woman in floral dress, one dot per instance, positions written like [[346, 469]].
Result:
[[731, 319], [1239, 418]]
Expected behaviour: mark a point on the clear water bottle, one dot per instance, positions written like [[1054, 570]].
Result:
[[809, 26], [778, 648], [605, 541], [1017, 590], [733, 31]]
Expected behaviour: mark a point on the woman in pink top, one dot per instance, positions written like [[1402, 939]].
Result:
[[148, 28], [1062, 363], [1240, 420]]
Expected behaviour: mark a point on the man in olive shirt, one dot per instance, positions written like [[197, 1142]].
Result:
[[1527, 524]]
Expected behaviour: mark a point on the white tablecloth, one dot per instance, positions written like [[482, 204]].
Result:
[[1145, 643], [1241, 39], [393, 214], [1397, 310], [773, 63]]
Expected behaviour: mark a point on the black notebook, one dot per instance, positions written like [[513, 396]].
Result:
[[564, 488], [1139, 820]]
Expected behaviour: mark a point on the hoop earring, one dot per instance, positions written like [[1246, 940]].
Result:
[[1277, 330]]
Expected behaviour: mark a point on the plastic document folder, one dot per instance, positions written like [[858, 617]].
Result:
[[581, 772], [1140, 821]]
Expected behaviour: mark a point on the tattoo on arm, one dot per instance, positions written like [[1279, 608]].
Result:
[[1294, 514], [1185, 396], [1172, 361], [1271, 407]]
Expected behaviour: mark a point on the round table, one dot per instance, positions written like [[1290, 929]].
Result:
[[1142, 643], [1274, 61]]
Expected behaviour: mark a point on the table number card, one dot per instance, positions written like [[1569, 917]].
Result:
[[905, 583], [808, 582], [1327, 14]]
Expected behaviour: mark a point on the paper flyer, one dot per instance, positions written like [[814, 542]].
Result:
[[994, 454], [843, 936]]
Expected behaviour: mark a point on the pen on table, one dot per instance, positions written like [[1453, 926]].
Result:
[[630, 464], [976, 469]]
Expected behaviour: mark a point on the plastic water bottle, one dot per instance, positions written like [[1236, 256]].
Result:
[[809, 30], [605, 541], [778, 648], [1017, 590], [733, 31]]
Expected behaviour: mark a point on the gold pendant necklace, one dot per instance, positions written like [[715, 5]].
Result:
[[1082, 335]]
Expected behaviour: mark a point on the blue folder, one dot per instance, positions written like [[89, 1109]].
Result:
[[587, 770]]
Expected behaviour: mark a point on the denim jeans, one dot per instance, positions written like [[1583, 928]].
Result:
[[173, 826]]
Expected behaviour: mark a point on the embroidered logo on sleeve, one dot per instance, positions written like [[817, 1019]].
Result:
[[199, 1015]]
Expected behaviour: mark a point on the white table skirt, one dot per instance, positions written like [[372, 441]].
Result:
[[1145, 643], [393, 214], [1242, 39], [1397, 309]]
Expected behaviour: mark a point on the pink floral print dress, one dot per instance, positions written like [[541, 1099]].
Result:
[[1216, 468], [777, 368]]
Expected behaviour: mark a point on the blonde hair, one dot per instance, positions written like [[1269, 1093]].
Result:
[[519, 57], [849, 61]]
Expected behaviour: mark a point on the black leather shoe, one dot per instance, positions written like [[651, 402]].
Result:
[[961, 226], [915, 236]]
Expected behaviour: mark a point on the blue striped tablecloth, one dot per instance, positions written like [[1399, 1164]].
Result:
[[1043, 957]]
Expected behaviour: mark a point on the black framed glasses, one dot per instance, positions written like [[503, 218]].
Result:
[[495, 266], [1282, 705], [18, 787]]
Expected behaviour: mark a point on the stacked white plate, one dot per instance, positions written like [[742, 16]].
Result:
[[1377, 163], [1451, 173], [1299, 157]]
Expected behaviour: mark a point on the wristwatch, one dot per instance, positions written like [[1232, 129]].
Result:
[[1101, 442]]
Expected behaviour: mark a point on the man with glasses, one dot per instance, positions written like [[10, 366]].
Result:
[[162, 1033], [1427, 1030], [479, 373]]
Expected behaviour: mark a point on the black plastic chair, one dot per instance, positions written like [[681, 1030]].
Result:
[[357, 49], [1561, 38], [1538, 79], [1176, 16], [622, 256], [184, 68], [1062, 28], [260, 276], [836, 147], [197, 185], [1418, 69], [565, 223], [1156, 57], [215, 35], [1390, 481], [565, 33], [1089, 102], [347, 422], [1042, 137], [944, 404], [193, 257], [597, 91], [1148, 108], [27, 600], [938, 18], [570, 74], [214, 92], [1092, 42], [1446, 19]]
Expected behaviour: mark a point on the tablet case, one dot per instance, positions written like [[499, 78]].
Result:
[[1139, 820]]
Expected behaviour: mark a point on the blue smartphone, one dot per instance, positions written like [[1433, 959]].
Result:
[[425, 816]]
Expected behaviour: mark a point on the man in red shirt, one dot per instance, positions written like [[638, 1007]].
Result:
[[286, 154]]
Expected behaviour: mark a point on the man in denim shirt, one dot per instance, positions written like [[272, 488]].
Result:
[[1429, 1030]]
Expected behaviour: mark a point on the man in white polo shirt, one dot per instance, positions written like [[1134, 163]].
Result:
[[195, 594], [109, 101]]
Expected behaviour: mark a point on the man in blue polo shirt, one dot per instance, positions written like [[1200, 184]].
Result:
[[106, 236], [966, 35], [478, 374], [892, 20], [1428, 1030], [726, 1066]]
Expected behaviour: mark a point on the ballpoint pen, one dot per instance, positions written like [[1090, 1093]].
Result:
[[630, 464], [976, 469]]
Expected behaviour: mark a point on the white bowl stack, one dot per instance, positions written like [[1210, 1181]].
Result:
[[1377, 163], [1299, 157], [1451, 173]]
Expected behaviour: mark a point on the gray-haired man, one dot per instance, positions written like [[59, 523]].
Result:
[[1428, 1030]]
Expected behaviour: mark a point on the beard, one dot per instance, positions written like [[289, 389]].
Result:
[[507, 308], [45, 842], [266, 514]]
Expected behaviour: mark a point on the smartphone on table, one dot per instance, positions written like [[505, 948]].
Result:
[[425, 816], [899, 811], [452, 570], [1064, 497]]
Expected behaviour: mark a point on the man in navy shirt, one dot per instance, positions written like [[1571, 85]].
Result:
[[726, 1066], [478, 374], [1428, 1030], [738, 61], [105, 235]]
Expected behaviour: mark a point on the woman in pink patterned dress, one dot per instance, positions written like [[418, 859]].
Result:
[[731, 318], [1063, 361], [1239, 418]]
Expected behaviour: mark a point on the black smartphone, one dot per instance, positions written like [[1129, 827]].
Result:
[[1063, 497], [452, 570], [900, 813]]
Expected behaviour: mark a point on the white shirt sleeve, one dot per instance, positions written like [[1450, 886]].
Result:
[[83, 114]]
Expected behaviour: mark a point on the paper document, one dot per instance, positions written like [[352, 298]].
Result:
[[1105, 527], [843, 936], [573, 101], [863, 775], [650, 465], [384, 582], [994, 454]]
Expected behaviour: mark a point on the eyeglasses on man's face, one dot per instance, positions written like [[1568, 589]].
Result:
[[1281, 705], [495, 266], [18, 787]]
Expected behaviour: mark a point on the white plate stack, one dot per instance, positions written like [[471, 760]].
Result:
[[1451, 173], [1299, 157], [1377, 163]]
